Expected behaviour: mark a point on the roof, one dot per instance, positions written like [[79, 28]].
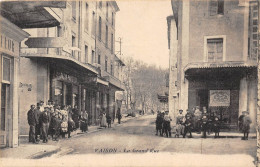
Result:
[[115, 6]]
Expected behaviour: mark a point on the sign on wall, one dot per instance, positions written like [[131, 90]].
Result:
[[219, 98]]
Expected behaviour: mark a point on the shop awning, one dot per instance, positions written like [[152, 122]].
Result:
[[115, 82], [32, 14], [225, 64], [221, 70], [162, 98], [61, 58]]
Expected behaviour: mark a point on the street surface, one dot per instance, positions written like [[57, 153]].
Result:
[[134, 142]]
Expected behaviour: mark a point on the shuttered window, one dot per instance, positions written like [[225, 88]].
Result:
[[216, 7], [215, 49]]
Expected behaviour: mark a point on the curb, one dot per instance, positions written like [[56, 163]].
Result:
[[43, 154]]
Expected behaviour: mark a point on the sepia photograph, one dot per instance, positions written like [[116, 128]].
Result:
[[129, 83]]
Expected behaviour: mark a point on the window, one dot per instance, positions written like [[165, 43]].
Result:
[[106, 36], [93, 57], [6, 71], [73, 6], [107, 10], [73, 44], [59, 31], [86, 17], [112, 20], [112, 70], [99, 59], [93, 24], [100, 4], [112, 43], [216, 7], [215, 49], [99, 28], [106, 64], [86, 54]]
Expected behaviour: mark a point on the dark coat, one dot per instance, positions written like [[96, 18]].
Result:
[[31, 117], [246, 124], [45, 117]]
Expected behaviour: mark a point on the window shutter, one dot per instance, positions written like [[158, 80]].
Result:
[[213, 7]]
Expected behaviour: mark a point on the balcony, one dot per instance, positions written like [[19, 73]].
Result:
[[115, 82]]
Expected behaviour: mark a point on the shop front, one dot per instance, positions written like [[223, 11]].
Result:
[[223, 93]]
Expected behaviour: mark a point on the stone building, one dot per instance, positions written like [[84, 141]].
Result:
[[73, 63], [213, 58], [16, 16]]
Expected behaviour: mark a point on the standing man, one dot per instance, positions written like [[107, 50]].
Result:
[[167, 124], [246, 125], [31, 117], [41, 106], [45, 119], [38, 123], [179, 124]]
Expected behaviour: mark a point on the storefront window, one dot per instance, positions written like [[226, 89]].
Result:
[[58, 92], [6, 69]]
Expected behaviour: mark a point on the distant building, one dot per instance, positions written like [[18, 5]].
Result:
[[213, 58], [74, 62]]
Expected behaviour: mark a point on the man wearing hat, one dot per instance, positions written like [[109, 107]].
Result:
[[167, 124], [41, 105], [246, 125]]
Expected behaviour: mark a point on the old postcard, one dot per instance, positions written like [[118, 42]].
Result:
[[129, 83]]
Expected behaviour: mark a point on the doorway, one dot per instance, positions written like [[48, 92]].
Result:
[[5, 98]]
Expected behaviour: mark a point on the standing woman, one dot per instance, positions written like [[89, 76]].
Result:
[[84, 121], [104, 120]]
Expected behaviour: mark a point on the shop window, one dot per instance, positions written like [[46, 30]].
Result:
[[58, 92], [6, 70], [5, 98], [216, 7], [215, 49]]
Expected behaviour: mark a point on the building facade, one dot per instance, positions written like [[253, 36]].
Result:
[[213, 58], [73, 63], [14, 17]]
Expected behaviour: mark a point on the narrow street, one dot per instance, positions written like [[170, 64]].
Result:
[[138, 135]]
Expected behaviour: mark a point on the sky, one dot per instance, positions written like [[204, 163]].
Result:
[[142, 26]]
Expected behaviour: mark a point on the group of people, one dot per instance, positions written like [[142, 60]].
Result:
[[106, 120], [54, 120], [197, 121]]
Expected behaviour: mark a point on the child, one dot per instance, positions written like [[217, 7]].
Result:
[[246, 125], [167, 124], [216, 127], [187, 125], [109, 121]]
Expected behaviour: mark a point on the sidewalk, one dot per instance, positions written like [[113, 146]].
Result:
[[27, 150]]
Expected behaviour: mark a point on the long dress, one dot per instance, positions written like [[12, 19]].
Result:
[[104, 121]]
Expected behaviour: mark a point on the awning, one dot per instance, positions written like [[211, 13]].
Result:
[[103, 82], [31, 14], [224, 64], [65, 59]]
